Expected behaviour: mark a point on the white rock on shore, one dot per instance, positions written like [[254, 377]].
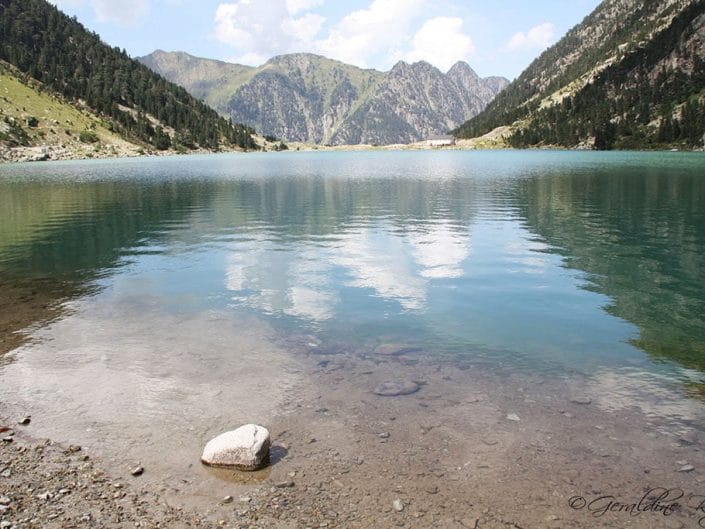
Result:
[[246, 448]]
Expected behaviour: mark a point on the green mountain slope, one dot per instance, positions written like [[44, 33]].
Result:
[[629, 76], [142, 107], [208, 80], [306, 97], [32, 116]]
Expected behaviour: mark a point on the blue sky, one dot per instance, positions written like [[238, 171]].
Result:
[[495, 38]]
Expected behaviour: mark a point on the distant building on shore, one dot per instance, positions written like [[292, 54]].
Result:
[[440, 141]]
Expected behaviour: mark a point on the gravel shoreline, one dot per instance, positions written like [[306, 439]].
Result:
[[46, 485], [54, 153]]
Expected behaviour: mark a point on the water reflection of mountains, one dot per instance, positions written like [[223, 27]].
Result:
[[638, 234]]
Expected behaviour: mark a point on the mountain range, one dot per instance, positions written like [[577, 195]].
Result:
[[309, 98], [630, 76]]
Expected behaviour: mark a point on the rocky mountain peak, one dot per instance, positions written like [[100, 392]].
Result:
[[400, 67], [297, 60], [461, 70], [416, 68]]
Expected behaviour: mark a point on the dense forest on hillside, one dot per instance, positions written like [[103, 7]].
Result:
[[625, 91], [58, 51], [546, 74], [651, 96]]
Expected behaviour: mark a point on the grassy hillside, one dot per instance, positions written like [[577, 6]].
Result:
[[30, 116], [208, 80], [139, 105]]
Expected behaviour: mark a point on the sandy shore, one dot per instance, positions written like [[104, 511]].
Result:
[[53, 153]]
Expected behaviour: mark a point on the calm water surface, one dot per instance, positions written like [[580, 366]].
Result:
[[552, 262]]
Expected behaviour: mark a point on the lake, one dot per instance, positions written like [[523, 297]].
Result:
[[142, 295]]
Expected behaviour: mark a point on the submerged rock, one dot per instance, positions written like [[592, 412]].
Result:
[[246, 448], [583, 400], [689, 438], [395, 389], [395, 349]]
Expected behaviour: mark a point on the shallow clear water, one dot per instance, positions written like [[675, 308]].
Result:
[[555, 262]]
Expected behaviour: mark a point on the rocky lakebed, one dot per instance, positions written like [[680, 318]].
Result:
[[385, 438]]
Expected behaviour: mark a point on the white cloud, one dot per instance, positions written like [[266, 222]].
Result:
[[252, 58], [311, 304], [125, 12], [368, 32], [377, 36], [297, 286], [66, 3], [227, 26], [441, 251], [121, 12], [538, 37], [384, 266], [305, 28], [441, 41], [295, 7], [260, 30], [257, 29]]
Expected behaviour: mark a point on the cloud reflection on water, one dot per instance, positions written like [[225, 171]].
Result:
[[397, 268]]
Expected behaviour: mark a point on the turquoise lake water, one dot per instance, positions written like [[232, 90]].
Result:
[[554, 262]]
